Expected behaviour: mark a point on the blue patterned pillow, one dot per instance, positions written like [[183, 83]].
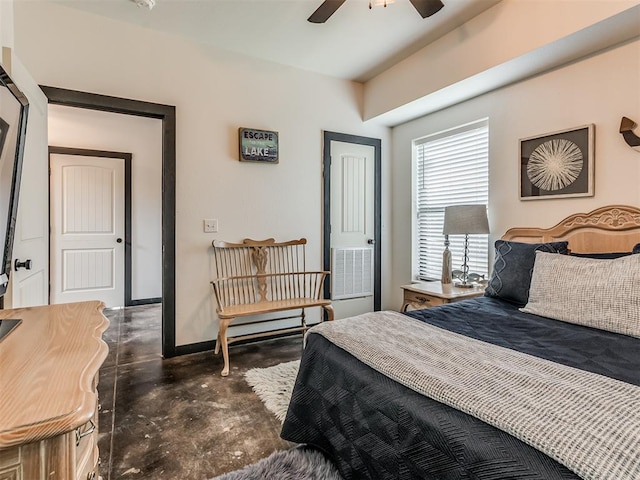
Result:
[[636, 248], [513, 266]]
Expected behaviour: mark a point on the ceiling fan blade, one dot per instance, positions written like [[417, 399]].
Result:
[[325, 10], [426, 8]]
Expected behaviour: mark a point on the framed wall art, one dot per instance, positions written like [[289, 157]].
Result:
[[258, 145], [558, 164]]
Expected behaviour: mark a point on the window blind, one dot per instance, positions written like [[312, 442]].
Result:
[[452, 168]]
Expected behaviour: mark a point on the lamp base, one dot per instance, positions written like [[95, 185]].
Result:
[[447, 277]]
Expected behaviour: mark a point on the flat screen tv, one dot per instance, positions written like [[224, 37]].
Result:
[[13, 127]]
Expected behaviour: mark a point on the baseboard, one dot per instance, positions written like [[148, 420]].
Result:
[[144, 301], [194, 348], [210, 344]]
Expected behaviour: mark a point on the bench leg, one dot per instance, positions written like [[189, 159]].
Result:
[[222, 341], [217, 349], [329, 310]]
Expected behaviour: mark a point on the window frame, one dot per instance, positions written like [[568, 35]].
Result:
[[480, 264]]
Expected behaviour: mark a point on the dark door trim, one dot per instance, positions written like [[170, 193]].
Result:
[[127, 157], [166, 113], [376, 143]]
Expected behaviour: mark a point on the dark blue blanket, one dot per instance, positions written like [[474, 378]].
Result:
[[501, 323], [373, 427]]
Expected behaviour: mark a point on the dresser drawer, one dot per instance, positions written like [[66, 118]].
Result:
[[86, 440], [10, 464], [89, 469], [422, 300]]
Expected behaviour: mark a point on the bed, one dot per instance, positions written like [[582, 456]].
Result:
[[481, 389]]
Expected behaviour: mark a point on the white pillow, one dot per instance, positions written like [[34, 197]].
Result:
[[603, 294]]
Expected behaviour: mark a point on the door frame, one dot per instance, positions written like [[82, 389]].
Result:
[[127, 157], [376, 143], [166, 113]]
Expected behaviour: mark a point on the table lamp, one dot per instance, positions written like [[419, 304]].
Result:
[[465, 220]]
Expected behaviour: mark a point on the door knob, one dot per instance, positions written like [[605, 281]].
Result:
[[371, 241], [119, 240], [18, 264]]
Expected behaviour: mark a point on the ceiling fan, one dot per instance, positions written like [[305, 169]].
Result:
[[425, 8]]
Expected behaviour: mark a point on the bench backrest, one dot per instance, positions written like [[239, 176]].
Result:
[[259, 270]]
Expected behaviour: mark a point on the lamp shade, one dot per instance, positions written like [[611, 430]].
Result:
[[462, 219]]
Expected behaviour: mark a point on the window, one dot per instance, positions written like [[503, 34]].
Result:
[[451, 168]]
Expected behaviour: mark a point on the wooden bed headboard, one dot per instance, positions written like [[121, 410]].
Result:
[[614, 228]]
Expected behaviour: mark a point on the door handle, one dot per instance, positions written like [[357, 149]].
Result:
[[88, 431], [18, 264], [371, 241], [119, 240]]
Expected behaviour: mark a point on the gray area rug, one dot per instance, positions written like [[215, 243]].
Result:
[[299, 463], [274, 385]]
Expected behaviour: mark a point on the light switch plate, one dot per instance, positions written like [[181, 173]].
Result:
[[210, 226]]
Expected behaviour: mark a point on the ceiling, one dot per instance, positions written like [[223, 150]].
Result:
[[356, 43]]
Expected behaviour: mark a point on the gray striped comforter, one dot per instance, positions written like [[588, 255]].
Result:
[[588, 422]]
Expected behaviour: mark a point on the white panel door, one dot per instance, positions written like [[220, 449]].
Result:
[[30, 287], [87, 229], [352, 226]]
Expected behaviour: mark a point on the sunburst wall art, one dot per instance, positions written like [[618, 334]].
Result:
[[558, 164]]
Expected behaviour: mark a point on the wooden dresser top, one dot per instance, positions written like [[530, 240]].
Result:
[[47, 368]]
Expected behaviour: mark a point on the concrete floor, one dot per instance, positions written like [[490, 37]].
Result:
[[178, 418]]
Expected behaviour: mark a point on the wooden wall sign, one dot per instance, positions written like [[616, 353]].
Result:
[[258, 145]]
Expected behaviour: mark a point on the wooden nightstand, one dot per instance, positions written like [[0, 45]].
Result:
[[430, 294]]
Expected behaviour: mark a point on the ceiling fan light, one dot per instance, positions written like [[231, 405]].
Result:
[[145, 3], [379, 3]]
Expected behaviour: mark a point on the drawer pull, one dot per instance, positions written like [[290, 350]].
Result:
[[423, 299], [91, 476], [88, 431]]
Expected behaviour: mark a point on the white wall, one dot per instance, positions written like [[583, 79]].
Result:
[[599, 90], [142, 137], [6, 24], [214, 94]]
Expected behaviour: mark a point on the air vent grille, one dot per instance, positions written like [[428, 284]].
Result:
[[351, 272]]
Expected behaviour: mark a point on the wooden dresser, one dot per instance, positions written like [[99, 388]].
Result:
[[48, 392]]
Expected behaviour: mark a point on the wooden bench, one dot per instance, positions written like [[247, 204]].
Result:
[[258, 277]]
